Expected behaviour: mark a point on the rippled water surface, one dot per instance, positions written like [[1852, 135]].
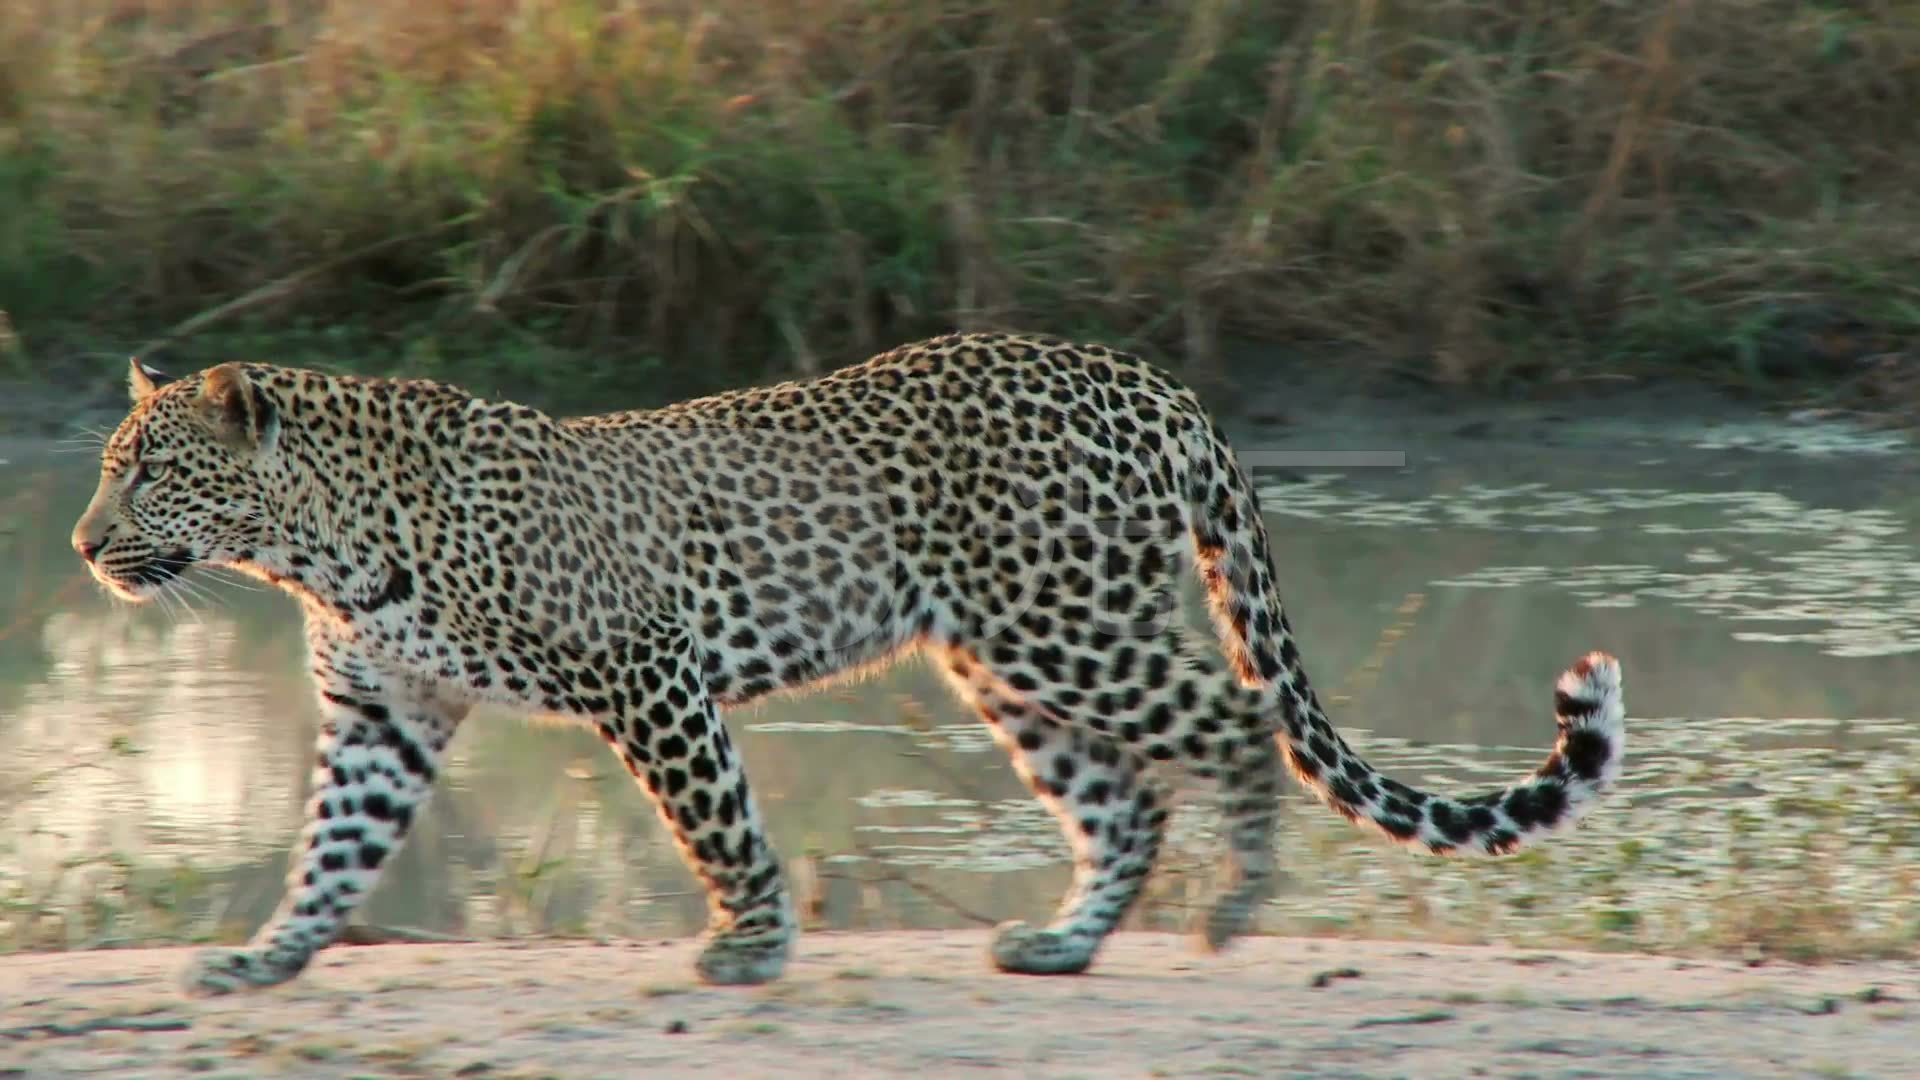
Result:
[[1766, 606]]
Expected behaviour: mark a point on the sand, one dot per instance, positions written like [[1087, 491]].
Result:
[[908, 1003]]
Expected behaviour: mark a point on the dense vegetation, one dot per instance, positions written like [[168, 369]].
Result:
[[573, 196]]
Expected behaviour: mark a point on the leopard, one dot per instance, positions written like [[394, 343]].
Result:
[[1019, 511]]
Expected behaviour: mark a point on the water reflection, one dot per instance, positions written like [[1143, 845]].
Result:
[[1749, 556], [178, 743]]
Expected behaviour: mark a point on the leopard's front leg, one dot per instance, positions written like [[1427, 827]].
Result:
[[379, 749], [670, 737]]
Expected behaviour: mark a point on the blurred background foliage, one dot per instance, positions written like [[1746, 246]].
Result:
[[567, 198]]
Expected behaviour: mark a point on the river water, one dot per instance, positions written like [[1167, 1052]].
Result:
[[1759, 580]]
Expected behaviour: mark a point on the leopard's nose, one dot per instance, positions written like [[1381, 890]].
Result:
[[87, 548]]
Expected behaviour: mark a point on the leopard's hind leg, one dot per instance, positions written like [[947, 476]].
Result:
[[1111, 805]]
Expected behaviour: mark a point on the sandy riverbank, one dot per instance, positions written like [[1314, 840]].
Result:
[[893, 1004]]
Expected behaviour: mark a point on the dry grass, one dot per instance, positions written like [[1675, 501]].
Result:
[[1475, 190]]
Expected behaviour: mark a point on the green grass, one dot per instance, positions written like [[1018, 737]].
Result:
[[567, 197]]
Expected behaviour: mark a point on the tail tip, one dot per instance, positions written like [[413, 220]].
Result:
[[1598, 666], [1588, 693]]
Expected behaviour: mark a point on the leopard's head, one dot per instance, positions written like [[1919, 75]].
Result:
[[183, 480]]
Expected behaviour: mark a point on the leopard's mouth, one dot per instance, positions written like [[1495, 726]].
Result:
[[140, 581]]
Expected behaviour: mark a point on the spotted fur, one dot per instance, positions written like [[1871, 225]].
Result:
[[1017, 508]]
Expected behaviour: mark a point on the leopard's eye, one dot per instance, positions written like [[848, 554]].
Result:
[[146, 472]]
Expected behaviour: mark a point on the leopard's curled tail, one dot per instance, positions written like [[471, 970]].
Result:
[[1235, 561]]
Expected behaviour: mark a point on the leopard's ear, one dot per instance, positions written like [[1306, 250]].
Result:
[[142, 380], [236, 409]]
